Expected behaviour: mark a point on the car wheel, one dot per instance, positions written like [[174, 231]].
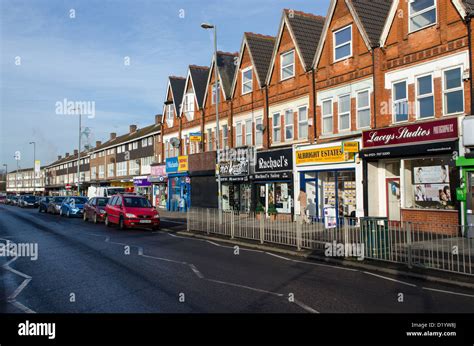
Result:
[[68, 214], [121, 223], [95, 218], [107, 222], [84, 217]]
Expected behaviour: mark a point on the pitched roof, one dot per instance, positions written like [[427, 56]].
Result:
[[260, 48], [199, 76], [177, 89], [307, 29], [469, 5], [372, 15], [226, 67]]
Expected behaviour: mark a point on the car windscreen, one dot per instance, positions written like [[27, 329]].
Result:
[[111, 192], [29, 199], [101, 202], [79, 200], [58, 199], [136, 202]]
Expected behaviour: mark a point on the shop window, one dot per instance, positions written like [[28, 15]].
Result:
[[289, 124], [422, 14], [363, 109], [258, 133], [453, 91], [276, 128], [425, 97], [327, 116], [343, 43], [400, 101], [344, 110], [430, 183]]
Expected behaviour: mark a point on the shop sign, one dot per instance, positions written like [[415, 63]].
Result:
[[141, 181], [274, 160], [158, 171], [272, 176], [322, 155], [415, 133], [172, 165], [195, 136], [182, 163], [350, 147]]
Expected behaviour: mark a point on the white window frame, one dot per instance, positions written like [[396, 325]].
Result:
[[303, 122], [258, 134], [144, 142], [292, 64], [443, 81], [394, 102], [339, 112], [276, 127], [418, 97], [238, 134], [213, 92], [358, 109], [248, 132], [411, 15], [170, 114], [250, 81], [150, 141], [292, 117], [189, 105], [225, 136], [324, 116], [210, 146], [135, 145], [109, 165], [343, 44]]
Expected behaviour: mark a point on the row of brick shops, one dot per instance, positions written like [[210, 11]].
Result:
[[402, 173]]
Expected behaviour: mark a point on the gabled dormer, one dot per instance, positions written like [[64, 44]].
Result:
[[194, 90], [226, 63], [172, 104]]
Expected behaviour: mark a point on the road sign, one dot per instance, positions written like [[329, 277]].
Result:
[[17, 155]]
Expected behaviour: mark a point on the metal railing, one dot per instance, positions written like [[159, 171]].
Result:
[[426, 245]]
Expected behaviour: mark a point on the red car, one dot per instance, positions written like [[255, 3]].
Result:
[[94, 209], [131, 211]]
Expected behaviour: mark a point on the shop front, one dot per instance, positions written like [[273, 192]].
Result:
[[202, 172], [465, 192], [273, 182], [234, 172], [411, 172], [159, 180], [329, 181], [142, 186], [179, 184]]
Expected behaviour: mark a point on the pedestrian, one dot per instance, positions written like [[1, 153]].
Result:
[[303, 200]]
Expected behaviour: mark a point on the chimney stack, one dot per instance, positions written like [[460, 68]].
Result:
[[158, 119], [59, 157], [75, 151], [113, 135], [66, 155], [133, 128], [98, 143]]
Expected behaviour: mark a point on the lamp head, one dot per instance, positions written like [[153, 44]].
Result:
[[207, 26]]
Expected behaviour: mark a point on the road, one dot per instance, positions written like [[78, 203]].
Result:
[[82, 267]]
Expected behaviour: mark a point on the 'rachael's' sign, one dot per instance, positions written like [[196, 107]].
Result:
[[322, 155]]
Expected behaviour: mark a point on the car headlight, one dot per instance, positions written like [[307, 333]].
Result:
[[131, 216], [157, 216], [102, 211], [58, 207], [75, 210]]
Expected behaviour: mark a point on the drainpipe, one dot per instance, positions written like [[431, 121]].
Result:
[[469, 40], [267, 109], [374, 94], [314, 102]]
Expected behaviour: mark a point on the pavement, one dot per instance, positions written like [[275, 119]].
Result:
[[82, 267]]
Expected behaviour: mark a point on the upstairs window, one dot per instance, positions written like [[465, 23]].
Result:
[[225, 136], [422, 14], [343, 43], [425, 96], [213, 98], [400, 101], [327, 116], [169, 114], [258, 133], [247, 80], [303, 122], [344, 109], [289, 124], [276, 128], [287, 61], [453, 91], [238, 134], [248, 132], [363, 109], [188, 103]]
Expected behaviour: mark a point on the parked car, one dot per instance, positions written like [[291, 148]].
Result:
[[13, 200], [43, 204], [9, 199], [54, 204], [94, 209], [73, 206], [28, 201], [131, 211], [3, 198], [19, 201]]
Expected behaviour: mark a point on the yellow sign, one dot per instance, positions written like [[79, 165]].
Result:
[[195, 136], [322, 155], [350, 147], [182, 163]]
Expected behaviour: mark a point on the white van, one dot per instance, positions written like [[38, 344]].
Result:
[[104, 191]]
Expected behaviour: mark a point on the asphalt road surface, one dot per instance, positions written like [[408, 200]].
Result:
[[82, 267]]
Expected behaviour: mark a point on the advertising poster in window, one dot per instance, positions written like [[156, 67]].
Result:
[[432, 174], [432, 193]]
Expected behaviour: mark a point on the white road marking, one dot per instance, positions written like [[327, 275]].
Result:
[[449, 292], [390, 279], [306, 307], [196, 271], [164, 259], [246, 287], [311, 263]]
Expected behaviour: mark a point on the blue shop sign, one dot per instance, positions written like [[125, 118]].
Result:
[[172, 165]]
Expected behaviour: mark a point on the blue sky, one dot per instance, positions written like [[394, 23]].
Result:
[[82, 59]]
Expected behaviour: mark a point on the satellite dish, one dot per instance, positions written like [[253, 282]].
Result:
[[260, 127], [174, 142]]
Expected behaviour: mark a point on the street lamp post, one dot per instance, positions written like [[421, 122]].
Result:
[[34, 167], [6, 174], [216, 90], [79, 154]]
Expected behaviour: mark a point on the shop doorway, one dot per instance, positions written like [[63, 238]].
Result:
[[393, 198]]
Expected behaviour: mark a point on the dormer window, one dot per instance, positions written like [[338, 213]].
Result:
[[188, 103], [343, 43], [213, 99], [169, 114], [287, 65], [422, 14], [247, 80]]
